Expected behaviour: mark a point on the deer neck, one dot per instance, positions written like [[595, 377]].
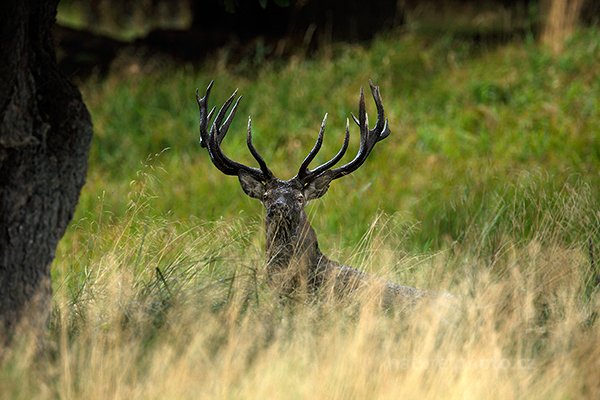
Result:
[[290, 241]]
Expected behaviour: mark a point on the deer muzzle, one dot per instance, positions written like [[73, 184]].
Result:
[[279, 208]]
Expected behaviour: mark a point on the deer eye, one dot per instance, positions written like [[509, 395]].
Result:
[[300, 197]]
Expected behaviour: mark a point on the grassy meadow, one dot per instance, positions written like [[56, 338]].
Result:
[[487, 188]]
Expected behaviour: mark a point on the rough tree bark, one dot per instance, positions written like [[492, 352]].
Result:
[[45, 134]]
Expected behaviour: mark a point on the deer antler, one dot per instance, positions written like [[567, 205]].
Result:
[[368, 139], [212, 139]]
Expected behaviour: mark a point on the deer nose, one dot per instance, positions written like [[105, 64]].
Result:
[[279, 206]]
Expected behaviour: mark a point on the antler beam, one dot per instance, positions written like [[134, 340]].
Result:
[[211, 139], [368, 139]]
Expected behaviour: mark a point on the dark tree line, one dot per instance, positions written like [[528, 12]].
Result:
[[190, 30]]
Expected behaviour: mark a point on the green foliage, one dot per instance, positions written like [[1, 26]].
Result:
[[471, 128], [487, 188]]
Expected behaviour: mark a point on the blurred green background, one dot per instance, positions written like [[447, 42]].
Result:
[[492, 132]]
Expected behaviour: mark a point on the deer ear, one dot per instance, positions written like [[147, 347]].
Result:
[[318, 186], [252, 186]]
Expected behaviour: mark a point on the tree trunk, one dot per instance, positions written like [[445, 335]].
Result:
[[560, 18], [45, 134]]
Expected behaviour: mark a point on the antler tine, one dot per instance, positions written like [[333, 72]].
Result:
[[210, 113], [368, 139], [382, 124], [305, 174], [337, 157], [204, 118], [212, 139], [218, 122], [303, 171], [255, 154], [362, 112], [224, 163], [229, 119]]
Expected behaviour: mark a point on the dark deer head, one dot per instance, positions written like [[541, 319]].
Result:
[[288, 231]]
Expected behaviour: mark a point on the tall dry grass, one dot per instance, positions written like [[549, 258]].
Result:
[[151, 309]]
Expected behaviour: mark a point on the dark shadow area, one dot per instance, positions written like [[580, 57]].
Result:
[[273, 30], [262, 30]]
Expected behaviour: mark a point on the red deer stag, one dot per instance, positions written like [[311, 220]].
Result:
[[293, 256]]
